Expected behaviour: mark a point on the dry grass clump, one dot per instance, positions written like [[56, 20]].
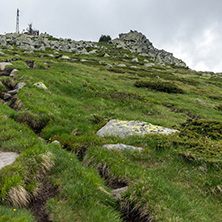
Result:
[[19, 196], [47, 162]]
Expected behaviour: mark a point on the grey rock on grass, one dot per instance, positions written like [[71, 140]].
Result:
[[130, 128], [121, 147], [7, 158]]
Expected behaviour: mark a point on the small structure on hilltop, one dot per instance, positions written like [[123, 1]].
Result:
[[31, 31]]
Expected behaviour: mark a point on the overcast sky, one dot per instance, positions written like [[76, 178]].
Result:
[[190, 29]]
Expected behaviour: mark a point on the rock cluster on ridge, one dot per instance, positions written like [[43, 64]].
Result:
[[137, 42], [42, 42], [133, 41]]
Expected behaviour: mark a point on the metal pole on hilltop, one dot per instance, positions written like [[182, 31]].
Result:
[[17, 21]]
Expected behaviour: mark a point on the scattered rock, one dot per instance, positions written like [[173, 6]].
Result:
[[65, 57], [129, 128], [6, 96], [199, 101], [106, 55], [7, 158], [121, 147], [133, 67], [12, 74], [4, 64], [108, 65], [40, 85], [121, 65], [135, 60], [13, 92], [149, 64], [94, 51], [83, 52], [56, 142], [117, 192], [20, 85]]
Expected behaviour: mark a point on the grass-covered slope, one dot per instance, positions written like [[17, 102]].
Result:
[[175, 178]]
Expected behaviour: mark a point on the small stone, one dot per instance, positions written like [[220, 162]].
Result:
[[6, 96], [65, 57], [121, 65], [117, 192], [4, 64], [197, 100], [20, 85], [94, 51], [40, 85], [149, 64], [135, 60], [13, 92], [121, 147], [56, 142], [13, 72], [106, 55]]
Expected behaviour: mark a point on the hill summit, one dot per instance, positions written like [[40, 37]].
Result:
[[137, 42]]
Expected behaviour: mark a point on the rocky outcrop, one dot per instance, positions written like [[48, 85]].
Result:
[[137, 42]]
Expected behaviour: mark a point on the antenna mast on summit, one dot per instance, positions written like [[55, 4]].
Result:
[[17, 21]]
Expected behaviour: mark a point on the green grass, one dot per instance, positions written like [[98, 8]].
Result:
[[175, 178]]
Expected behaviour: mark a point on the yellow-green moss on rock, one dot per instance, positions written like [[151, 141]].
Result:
[[130, 128]]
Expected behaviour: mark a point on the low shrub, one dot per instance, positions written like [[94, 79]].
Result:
[[104, 38], [202, 128], [167, 87]]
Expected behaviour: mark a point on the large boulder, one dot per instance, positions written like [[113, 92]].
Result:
[[130, 128], [137, 42]]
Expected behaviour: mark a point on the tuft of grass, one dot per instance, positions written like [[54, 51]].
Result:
[[18, 196], [35, 121]]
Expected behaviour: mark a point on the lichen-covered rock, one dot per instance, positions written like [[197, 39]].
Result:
[[130, 128], [40, 85], [137, 42]]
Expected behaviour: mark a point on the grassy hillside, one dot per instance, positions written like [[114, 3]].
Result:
[[175, 178]]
